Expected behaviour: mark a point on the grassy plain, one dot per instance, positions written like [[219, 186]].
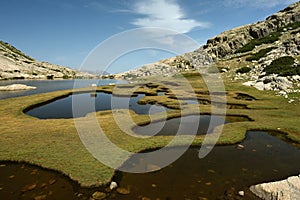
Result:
[[55, 144]]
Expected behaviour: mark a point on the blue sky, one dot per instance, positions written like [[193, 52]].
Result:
[[65, 31]]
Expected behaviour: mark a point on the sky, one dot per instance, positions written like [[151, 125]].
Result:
[[65, 32]]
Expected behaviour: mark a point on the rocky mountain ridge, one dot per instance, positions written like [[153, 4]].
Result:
[[16, 65], [255, 46]]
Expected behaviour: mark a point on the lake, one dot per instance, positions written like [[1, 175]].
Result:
[[51, 85]]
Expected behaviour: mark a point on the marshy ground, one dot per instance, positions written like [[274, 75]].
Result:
[[55, 144]]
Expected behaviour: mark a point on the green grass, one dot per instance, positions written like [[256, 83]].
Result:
[[55, 144]]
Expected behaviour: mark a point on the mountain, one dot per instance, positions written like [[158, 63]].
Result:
[[265, 54], [16, 65]]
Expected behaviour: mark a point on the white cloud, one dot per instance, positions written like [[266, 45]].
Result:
[[164, 14], [258, 3]]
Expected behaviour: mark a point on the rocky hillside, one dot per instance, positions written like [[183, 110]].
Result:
[[16, 65], [265, 54]]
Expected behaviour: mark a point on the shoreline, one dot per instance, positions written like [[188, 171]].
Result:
[[235, 133]]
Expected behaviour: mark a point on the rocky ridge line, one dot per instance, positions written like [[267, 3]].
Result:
[[16, 65], [226, 46]]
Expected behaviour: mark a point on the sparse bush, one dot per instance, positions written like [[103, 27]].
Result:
[[273, 37], [283, 66], [260, 54], [243, 70]]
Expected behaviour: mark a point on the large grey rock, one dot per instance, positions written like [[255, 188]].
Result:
[[16, 87], [288, 189]]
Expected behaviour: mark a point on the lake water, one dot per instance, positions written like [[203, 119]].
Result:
[[199, 124], [50, 86], [89, 102], [220, 175], [224, 172]]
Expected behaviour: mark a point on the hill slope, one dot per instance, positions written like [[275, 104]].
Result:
[[259, 52], [16, 65]]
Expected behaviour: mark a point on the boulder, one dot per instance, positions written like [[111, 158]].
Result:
[[14, 87], [288, 189]]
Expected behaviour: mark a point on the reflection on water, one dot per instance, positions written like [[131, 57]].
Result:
[[191, 124], [220, 175], [85, 103], [50, 86]]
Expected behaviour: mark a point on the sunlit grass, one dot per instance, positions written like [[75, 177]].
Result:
[[55, 144]]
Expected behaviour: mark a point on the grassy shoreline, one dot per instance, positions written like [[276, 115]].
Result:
[[55, 144]]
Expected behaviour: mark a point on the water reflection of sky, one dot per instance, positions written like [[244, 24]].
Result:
[[89, 102], [49, 86]]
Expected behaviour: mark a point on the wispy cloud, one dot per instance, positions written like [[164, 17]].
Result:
[[257, 3], [164, 14]]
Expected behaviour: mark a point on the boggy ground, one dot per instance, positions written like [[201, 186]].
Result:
[[55, 144]]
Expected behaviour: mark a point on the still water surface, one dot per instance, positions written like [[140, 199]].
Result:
[[50, 86]]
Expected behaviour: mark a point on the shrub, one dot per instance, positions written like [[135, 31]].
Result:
[[283, 66], [243, 70], [271, 38], [260, 54]]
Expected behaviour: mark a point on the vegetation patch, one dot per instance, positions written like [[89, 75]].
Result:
[[269, 39], [284, 66], [262, 53], [243, 70]]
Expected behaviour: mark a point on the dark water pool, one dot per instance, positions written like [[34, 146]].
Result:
[[200, 124], [89, 102], [220, 175]]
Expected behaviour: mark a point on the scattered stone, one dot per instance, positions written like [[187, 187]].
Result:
[[208, 184], [1, 188], [152, 168], [41, 197], [12, 176], [241, 193], [2, 165], [51, 182], [79, 194], [113, 185], [154, 185], [211, 171], [43, 185], [98, 195], [240, 146], [123, 191], [145, 198], [28, 188], [35, 171]]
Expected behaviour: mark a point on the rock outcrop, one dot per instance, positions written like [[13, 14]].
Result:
[[278, 36], [228, 42], [16, 65], [14, 87], [288, 189]]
